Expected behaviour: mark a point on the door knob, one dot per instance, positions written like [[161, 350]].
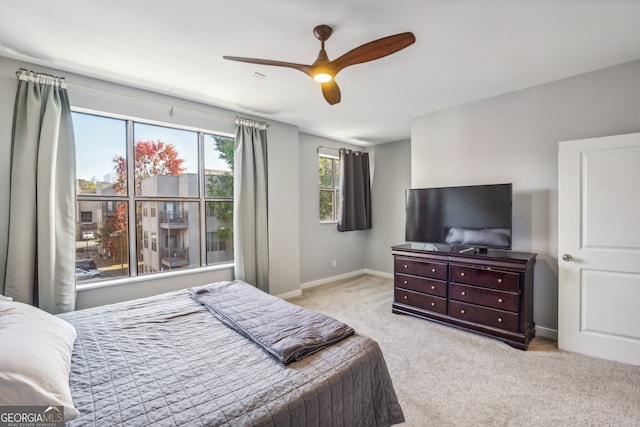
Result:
[[567, 257]]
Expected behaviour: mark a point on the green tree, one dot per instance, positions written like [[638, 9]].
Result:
[[225, 147], [220, 185]]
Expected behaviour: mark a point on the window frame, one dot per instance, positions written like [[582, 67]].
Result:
[[334, 189], [131, 199]]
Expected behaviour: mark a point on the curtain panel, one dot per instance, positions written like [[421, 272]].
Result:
[[40, 268], [354, 191], [250, 224]]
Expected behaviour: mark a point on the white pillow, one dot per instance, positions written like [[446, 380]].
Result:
[[35, 358], [485, 237], [455, 235], [3, 298]]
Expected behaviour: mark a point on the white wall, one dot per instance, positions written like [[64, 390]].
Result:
[[284, 210], [85, 92], [391, 178], [320, 244], [514, 138]]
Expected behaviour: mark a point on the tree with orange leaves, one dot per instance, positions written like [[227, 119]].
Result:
[[151, 158]]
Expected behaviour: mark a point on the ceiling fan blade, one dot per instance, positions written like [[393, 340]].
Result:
[[374, 50], [301, 67], [331, 92]]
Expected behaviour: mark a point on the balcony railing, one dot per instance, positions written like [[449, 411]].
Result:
[[219, 245], [173, 219], [174, 257]]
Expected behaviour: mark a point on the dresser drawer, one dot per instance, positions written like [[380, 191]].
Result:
[[433, 270], [420, 284], [496, 279], [424, 301], [481, 296], [483, 315]]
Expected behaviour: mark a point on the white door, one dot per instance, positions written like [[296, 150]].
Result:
[[599, 247]]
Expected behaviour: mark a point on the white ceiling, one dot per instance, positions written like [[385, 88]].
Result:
[[466, 50]]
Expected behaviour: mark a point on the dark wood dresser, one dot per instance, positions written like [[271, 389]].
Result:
[[487, 293]]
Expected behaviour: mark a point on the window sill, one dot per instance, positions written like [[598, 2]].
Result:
[[328, 222], [148, 277]]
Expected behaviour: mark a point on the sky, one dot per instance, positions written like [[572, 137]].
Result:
[[99, 139]]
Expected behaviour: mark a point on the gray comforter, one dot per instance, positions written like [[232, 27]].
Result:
[[286, 331], [166, 361]]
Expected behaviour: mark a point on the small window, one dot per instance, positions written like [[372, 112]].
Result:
[[329, 178], [86, 216], [154, 242]]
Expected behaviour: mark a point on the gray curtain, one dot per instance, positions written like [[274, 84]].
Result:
[[250, 225], [40, 267], [354, 191]]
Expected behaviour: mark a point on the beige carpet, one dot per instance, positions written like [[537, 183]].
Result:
[[447, 377]]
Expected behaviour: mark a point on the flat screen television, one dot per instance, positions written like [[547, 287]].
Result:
[[472, 216]]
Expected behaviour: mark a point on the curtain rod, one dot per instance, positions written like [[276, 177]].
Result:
[[336, 149], [252, 123], [33, 76]]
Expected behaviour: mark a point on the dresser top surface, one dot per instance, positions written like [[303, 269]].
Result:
[[454, 252]]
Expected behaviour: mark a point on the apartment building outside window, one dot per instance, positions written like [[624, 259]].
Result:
[[159, 194]]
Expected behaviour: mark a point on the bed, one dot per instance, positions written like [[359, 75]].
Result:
[[166, 360]]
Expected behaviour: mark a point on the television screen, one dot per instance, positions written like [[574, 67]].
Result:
[[477, 215]]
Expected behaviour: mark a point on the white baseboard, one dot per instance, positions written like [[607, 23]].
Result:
[[349, 275], [547, 333], [332, 279], [379, 273], [291, 294]]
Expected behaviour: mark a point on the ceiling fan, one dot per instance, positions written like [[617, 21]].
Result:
[[324, 71]]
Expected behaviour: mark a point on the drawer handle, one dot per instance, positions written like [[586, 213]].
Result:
[[462, 311], [406, 266], [405, 297], [433, 286], [433, 304], [433, 270], [499, 280], [405, 282], [499, 319], [463, 293], [462, 274], [499, 299]]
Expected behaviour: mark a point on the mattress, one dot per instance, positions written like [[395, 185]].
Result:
[[166, 361]]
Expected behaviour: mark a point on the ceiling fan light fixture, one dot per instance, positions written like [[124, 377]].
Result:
[[322, 77]]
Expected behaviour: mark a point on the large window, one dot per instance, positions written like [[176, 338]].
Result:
[[156, 195], [329, 178]]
